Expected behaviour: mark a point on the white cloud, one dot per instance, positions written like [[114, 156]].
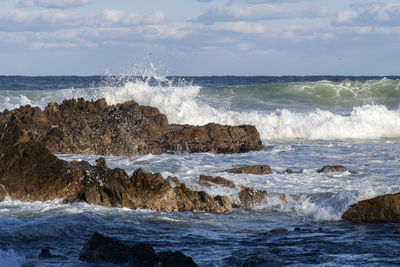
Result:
[[371, 14], [53, 3], [238, 27], [258, 12]]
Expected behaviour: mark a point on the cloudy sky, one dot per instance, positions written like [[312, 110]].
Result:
[[200, 37]]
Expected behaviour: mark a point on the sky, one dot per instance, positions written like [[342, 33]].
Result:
[[200, 37]]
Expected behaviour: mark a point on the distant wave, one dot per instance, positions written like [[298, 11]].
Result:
[[183, 102]]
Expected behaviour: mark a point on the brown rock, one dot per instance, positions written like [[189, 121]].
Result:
[[256, 169], [29, 172], [384, 208], [332, 168], [217, 180], [79, 126], [250, 196]]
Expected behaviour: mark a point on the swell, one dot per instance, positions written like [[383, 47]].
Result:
[[286, 119]]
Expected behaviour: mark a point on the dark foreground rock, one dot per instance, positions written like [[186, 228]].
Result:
[[256, 169], [79, 126], [100, 249], [332, 168], [380, 209], [29, 172]]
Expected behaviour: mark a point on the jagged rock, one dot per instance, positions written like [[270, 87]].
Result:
[[217, 180], [188, 199], [108, 249], [384, 208], [101, 249], [79, 126], [3, 193], [256, 169], [332, 168], [174, 259], [29, 172], [250, 196], [46, 254]]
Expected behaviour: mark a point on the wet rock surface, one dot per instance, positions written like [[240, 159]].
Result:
[[332, 168], [100, 249], [380, 209], [93, 127], [255, 169], [30, 172], [217, 180]]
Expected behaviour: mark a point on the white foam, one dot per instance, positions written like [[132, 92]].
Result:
[[11, 258]]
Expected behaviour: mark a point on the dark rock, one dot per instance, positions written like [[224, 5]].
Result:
[[3, 193], [279, 231], [108, 249], [248, 196], [174, 259], [380, 209], [46, 254], [256, 169], [79, 126], [254, 261], [217, 180], [297, 229], [101, 249], [334, 168]]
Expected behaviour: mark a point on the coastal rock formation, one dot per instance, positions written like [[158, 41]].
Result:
[[332, 168], [255, 169], [100, 249], [247, 196], [29, 172], [93, 127], [217, 180], [384, 208]]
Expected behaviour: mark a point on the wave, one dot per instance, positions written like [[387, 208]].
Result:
[[184, 102]]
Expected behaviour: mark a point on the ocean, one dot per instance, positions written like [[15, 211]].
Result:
[[304, 122]]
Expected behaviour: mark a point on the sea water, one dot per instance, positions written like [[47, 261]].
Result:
[[304, 123]]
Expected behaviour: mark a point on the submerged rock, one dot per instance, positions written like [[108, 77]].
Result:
[[46, 254], [217, 180], [100, 249], [332, 168], [256, 169], [79, 126], [380, 209]]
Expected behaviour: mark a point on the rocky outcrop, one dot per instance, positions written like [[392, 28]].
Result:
[[217, 180], [100, 249], [332, 168], [384, 208], [93, 127], [255, 169], [249, 196], [29, 172]]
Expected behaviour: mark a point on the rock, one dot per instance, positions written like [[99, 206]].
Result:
[[217, 180], [279, 231], [46, 254], [333, 168], [100, 249], [3, 193], [29, 172], [79, 126], [254, 261], [174, 259], [256, 169], [380, 209], [249, 197], [107, 249], [188, 199]]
